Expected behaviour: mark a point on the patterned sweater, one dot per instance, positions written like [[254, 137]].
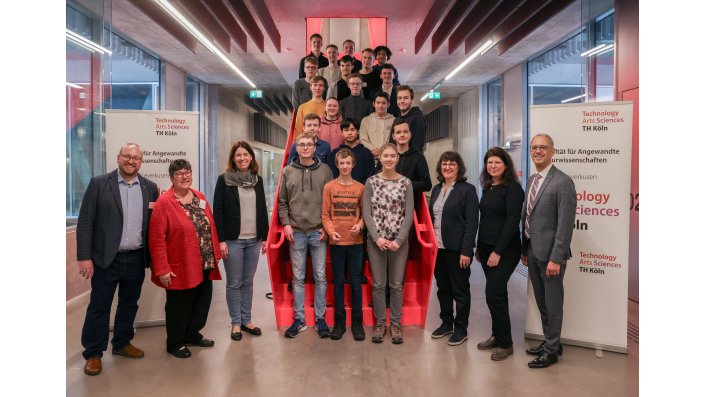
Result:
[[388, 208]]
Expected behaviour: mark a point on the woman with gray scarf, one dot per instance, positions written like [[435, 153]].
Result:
[[240, 212]]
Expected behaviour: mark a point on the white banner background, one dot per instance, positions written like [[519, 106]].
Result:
[[164, 136], [596, 279]]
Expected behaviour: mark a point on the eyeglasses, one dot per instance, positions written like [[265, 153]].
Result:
[[305, 145], [127, 157], [355, 84], [449, 165], [539, 148], [310, 67], [183, 175]]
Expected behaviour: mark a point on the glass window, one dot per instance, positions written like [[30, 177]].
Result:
[[84, 109], [193, 94], [557, 75], [494, 113], [127, 79], [133, 75]]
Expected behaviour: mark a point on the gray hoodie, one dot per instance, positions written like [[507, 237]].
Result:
[[301, 194]]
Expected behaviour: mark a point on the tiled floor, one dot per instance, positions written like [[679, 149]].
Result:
[[271, 365]]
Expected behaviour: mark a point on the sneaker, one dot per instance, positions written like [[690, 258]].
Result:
[[395, 330], [322, 328], [443, 330], [378, 333], [297, 327], [457, 338]]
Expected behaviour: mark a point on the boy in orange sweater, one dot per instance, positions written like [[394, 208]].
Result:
[[342, 220]]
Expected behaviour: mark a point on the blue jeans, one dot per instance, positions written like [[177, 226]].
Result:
[[240, 268], [297, 253], [353, 254]]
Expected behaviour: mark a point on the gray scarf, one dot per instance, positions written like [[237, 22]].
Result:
[[246, 180]]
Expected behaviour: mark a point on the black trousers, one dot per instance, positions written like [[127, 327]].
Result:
[[126, 272], [496, 288], [187, 313], [453, 285]]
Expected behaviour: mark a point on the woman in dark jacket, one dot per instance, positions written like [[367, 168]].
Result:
[[454, 212], [499, 244], [240, 211]]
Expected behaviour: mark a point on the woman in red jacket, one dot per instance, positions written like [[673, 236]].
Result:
[[183, 244]]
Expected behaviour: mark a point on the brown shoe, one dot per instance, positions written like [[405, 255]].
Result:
[[93, 366], [500, 354], [129, 351]]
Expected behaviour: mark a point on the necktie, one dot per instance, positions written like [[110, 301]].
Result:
[[530, 204]]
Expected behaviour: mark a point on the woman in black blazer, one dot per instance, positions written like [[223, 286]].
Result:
[[240, 212], [454, 212], [499, 244]]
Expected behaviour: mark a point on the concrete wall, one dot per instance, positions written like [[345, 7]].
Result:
[[174, 88]]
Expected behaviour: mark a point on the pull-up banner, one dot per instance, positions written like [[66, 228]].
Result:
[[164, 136], [593, 144]]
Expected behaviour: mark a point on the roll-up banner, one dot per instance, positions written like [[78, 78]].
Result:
[[593, 144], [164, 136]]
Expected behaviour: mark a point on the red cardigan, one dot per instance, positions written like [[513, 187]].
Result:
[[173, 243]]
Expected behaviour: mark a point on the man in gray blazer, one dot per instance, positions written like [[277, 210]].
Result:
[[112, 251], [547, 220]]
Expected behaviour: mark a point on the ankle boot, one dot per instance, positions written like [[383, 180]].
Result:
[[357, 330], [339, 325]]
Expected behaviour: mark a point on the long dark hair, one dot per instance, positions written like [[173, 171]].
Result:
[[454, 157], [510, 175], [254, 168]]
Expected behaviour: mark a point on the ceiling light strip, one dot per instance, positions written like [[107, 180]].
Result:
[[604, 50], [85, 43], [592, 50], [169, 8], [472, 56], [573, 98], [78, 87]]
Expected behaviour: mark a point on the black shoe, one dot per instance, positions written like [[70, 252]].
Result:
[[205, 342], [180, 351], [357, 330], [458, 337], [256, 331], [443, 330], [236, 336], [338, 324], [338, 330], [544, 361], [539, 350]]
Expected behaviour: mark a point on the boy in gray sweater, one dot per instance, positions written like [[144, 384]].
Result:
[[300, 199]]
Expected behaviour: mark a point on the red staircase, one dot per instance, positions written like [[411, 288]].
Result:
[[417, 284]]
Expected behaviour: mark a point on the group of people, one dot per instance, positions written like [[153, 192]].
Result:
[[353, 175], [125, 225], [336, 89]]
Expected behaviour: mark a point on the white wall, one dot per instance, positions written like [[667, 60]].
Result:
[[174, 90]]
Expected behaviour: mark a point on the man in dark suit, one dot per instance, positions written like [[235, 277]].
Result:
[[547, 220], [112, 251]]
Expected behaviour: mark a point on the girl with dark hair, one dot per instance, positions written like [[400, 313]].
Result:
[[240, 211], [453, 210], [499, 244]]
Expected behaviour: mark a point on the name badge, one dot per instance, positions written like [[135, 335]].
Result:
[[202, 204], [150, 205]]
